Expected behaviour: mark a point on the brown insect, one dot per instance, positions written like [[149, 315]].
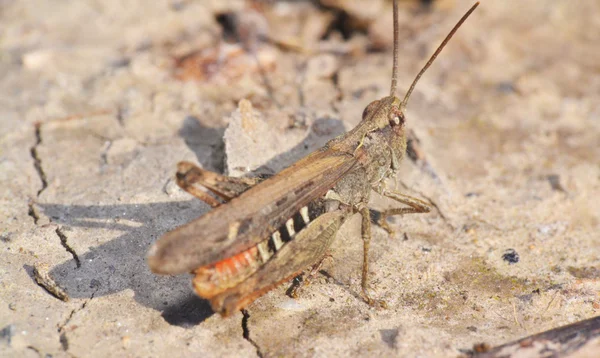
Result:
[[265, 232]]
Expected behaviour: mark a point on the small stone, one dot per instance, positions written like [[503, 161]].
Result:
[[43, 278], [6, 236], [126, 340], [510, 256], [7, 333]]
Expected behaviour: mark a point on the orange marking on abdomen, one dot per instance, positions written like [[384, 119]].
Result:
[[210, 280]]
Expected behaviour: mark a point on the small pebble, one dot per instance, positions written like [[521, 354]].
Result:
[[510, 256]]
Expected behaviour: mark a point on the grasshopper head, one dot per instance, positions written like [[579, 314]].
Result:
[[384, 112]]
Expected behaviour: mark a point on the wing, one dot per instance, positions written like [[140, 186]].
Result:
[[249, 218]]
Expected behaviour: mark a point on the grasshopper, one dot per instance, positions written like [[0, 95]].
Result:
[[263, 232]]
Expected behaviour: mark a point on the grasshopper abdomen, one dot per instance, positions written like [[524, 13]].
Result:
[[214, 279]]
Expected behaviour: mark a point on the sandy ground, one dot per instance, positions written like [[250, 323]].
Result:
[[100, 100]]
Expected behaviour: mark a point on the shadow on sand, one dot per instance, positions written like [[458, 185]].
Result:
[[120, 264]]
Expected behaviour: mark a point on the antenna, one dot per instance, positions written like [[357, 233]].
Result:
[[435, 54], [395, 66]]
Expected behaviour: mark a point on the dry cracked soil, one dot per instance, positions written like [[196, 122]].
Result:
[[100, 99]]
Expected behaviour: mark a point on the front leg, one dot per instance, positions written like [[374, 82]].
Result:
[[414, 206]]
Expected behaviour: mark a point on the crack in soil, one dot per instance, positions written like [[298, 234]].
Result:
[[64, 341], [33, 213], [64, 242], [35, 350], [335, 80], [37, 162], [104, 154], [246, 333]]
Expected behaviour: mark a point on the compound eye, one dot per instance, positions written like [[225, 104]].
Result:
[[395, 118]]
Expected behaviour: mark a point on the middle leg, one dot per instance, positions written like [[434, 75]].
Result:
[[366, 236]]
